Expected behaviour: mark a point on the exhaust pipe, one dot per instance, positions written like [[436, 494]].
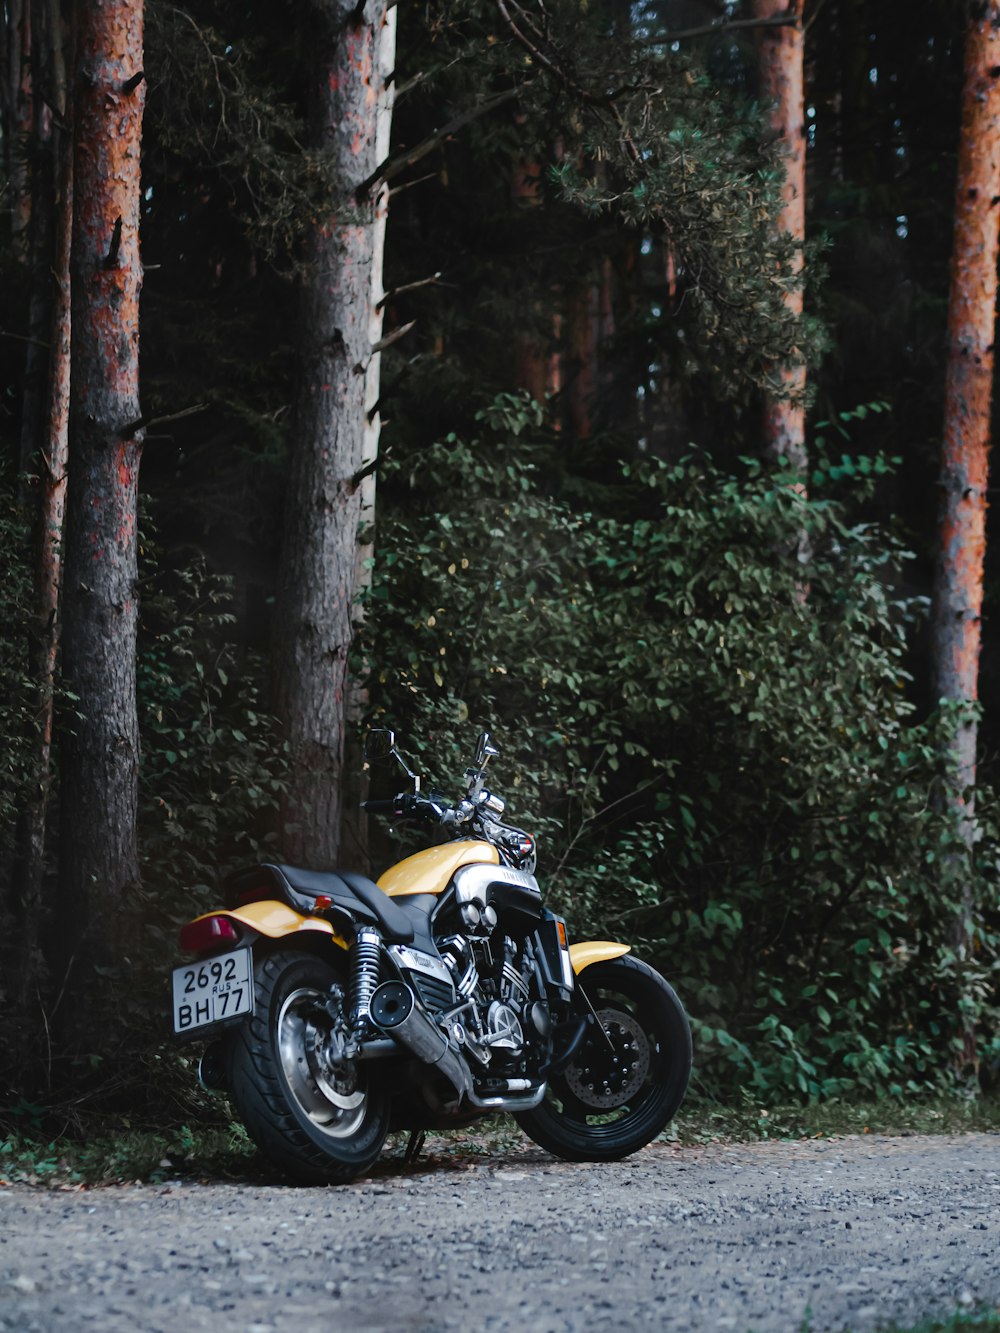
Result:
[[394, 1009], [212, 1068]]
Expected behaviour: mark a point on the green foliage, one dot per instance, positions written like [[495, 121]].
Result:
[[213, 766], [216, 106], [696, 174], [964, 1321], [210, 1147], [32, 1159], [744, 1119], [713, 738], [621, 176]]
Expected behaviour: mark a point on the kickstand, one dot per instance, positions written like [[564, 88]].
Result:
[[416, 1142]]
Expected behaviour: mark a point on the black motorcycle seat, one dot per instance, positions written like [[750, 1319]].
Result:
[[349, 885]]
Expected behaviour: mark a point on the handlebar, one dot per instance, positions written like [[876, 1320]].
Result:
[[479, 819], [409, 804], [380, 807]]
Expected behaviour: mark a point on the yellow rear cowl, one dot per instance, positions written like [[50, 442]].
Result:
[[275, 919]]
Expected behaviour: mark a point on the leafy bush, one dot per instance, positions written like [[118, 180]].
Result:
[[713, 739], [213, 765]]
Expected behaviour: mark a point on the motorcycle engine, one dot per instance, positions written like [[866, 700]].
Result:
[[492, 975]]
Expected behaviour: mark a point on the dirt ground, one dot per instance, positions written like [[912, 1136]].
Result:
[[853, 1233]]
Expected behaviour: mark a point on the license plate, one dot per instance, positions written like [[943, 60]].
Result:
[[213, 990]]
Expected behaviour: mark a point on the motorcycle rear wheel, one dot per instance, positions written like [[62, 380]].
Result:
[[317, 1122], [609, 1103]]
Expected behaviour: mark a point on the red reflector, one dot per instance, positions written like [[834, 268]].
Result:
[[207, 933], [323, 902]]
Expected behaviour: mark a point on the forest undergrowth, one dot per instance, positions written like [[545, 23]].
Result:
[[215, 1147], [722, 771]]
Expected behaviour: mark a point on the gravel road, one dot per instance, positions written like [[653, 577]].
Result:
[[857, 1233]]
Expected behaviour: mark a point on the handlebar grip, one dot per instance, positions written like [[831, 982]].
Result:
[[381, 807]]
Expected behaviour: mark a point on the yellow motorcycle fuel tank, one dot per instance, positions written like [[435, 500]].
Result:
[[430, 871]]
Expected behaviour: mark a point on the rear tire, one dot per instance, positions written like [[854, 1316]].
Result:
[[607, 1104], [317, 1121]]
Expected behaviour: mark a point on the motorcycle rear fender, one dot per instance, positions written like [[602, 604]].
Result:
[[276, 920], [586, 952]]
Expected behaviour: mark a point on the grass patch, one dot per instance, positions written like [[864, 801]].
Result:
[[705, 1122], [971, 1319], [64, 1163], [221, 1151]]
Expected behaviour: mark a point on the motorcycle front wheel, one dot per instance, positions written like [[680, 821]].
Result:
[[623, 1086], [318, 1120]]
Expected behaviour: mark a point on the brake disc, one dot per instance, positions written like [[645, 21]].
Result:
[[603, 1079]]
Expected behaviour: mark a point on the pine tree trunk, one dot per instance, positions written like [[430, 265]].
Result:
[[51, 480], [537, 363], [17, 114], [99, 854], [579, 373], [41, 159], [958, 592], [317, 580], [780, 55], [354, 823]]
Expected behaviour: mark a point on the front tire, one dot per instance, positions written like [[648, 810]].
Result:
[[609, 1103], [317, 1120]]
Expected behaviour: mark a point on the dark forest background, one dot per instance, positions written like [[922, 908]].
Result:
[[579, 542]]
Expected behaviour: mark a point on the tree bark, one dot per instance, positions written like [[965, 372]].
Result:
[[99, 853], [51, 481], [41, 160], [17, 113], [354, 823], [318, 565], [781, 63], [958, 593], [537, 362]]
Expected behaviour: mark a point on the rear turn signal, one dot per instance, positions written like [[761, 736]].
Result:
[[208, 932]]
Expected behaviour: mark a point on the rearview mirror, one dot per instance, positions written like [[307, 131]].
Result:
[[380, 743], [485, 750]]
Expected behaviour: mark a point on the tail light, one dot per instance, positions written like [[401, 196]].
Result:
[[207, 933]]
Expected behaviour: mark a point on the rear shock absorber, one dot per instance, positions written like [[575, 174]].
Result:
[[366, 959]]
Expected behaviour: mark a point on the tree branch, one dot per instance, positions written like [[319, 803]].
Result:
[[724, 25], [362, 367], [22, 338], [391, 167], [392, 337], [409, 287], [110, 260], [604, 101], [366, 471], [544, 60], [132, 429], [408, 185]]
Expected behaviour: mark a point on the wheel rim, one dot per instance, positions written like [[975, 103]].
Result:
[[330, 1095], [633, 1089], [604, 1078]]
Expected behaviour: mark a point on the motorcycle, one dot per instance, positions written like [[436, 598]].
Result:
[[340, 1008]]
